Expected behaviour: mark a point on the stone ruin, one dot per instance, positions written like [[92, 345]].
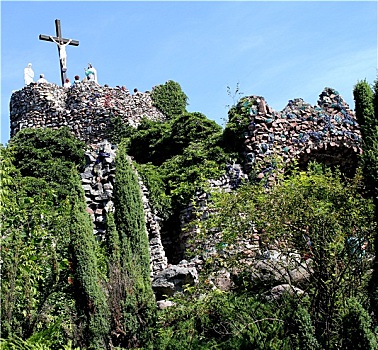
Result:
[[327, 133], [85, 108]]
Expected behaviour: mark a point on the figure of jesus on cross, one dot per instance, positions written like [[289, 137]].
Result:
[[61, 43], [62, 51]]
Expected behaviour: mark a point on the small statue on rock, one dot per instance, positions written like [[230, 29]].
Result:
[[28, 74], [91, 73]]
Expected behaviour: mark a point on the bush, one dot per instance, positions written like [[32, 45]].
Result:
[[356, 328], [169, 98], [220, 320]]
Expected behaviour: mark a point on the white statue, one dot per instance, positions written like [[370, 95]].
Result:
[[91, 73], [28, 74], [62, 51]]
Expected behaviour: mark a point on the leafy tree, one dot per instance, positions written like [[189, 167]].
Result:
[[307, 206], [45, 221], [33, 229], [169, 98]]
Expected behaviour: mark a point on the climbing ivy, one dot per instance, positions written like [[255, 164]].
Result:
[[49, 154], [238, 120]]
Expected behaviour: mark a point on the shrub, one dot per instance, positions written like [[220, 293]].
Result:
[[169, 98]]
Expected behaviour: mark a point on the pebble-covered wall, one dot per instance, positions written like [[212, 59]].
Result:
[[86, 108], [327, 133]]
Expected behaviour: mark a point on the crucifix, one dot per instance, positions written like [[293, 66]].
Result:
[[61, 44]]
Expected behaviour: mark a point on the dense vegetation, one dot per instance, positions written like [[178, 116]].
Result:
[[61, 288], [174, 158], [60, 285], [315, 205]]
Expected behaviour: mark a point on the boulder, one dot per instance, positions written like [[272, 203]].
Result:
[[173, 279], [277, 291], [281, 268]]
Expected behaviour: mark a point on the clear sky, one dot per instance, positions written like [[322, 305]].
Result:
[[279, 50]]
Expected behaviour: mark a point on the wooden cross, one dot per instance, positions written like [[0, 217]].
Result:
[[61, 43]]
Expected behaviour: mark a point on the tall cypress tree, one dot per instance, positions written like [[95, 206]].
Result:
[[137, 315], [89, 295], [366, 105]]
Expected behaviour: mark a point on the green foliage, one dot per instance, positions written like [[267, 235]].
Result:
[[356, 331], [89, 294], [137, 303], [220, 320], [315, 205], [117, 130], [157, 191], [33, 230], [157, 142], [32, 290], [298, 324], [238, 120], [33, 147], [169, 98], [176, 158], [366, 101], [44, 220], [42, 343], [187, 173], [193, 127], [150, 142], [49, 154]]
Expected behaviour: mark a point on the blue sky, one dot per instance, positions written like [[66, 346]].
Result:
[[280, 50]]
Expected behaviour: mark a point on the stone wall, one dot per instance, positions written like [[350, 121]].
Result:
[[86, 108], [199, 210], [98, 179], [327, 133]]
